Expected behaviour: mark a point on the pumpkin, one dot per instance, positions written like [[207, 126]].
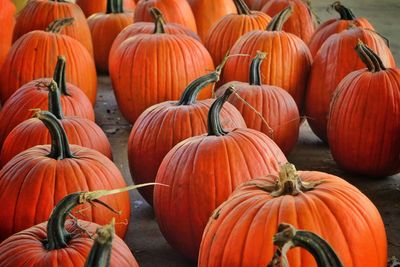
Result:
[[34, 95], [7, 22], [61, 241], [224, 33], [164, 125], [34, 55], [363, 125], [201, 173], [300, 22], [104, 28], [90, 7], [38, 14], [152, 68], [209, 12], [240, 231], [332, 26], [333, 62], [280, 117], [52, 172], [287, 65], [177, 11]]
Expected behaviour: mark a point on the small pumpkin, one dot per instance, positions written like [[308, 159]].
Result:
[[363, 125], [7, 22], [90, 7]]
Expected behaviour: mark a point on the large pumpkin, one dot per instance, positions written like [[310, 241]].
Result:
[[363, 124], [38, 14], [7, 22], [90, 7], [104, 28], [52, 172], [332, 26], [151, 68], [34, 95], [278, 116], [162, 126], [240, 231], [201, 173], [224, 33], [34, 55], [62, 242], [333, 62], [288, 62]]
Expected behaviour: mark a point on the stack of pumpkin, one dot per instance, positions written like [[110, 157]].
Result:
[[215, 91]]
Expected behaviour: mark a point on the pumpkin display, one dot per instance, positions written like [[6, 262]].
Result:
[[201, 173], [279, 119], [104, 28], [288, 62], [152, 68], [7, 22], [334, 60], [62, 241], [34, 95], [38, 14], [300, 23], [52, 172], [209, 12], [177, 11], [363, 125], [34, 55], [240, 231], [332, 26], [224, 33], [164, 125], [90, 7]]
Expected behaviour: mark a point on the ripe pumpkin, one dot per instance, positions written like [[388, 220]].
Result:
[[38, 14], [152, 68], [363, 125], [224, 33], [34, 55], [240, 231], [90, 7], [287, 65], [300, 23], [332, 26], [7, 22], [34, 95], [177, 11], [277, 107], [104, 28], [164, 125], [202, 172], [333, 62], [61, 241]]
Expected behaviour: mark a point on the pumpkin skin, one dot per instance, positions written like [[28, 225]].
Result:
[[7, 22], [332, 26], [33, 57], [162, 126], [177, 11], [333, 62], [240, 231], [38, 14], [224, 33], [256, 4], [363, 125], [90, 7], [201, 173], [300, 22]]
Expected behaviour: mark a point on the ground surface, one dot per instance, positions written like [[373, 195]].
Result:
[[144, 237]]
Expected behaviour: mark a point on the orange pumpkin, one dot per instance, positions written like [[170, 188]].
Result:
[[240, 232], [90, 7], [202, 172], [34, 55], [7, 22]]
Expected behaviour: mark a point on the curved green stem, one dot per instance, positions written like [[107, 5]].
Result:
[[214, 122], [344, 12], [114, 6], [158, 20], [277, 22], [369, 57], [100, 254], [59, 75], [54, 102], [57, 25], [241, 7], [255, 69]]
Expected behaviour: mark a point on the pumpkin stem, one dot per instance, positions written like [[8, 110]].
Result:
[[60, 75], [59, 141], [289, 237], [241, 7], [54, 104], [100, 254], [255, 68], [158, 20], [114, 6], [214, 122], [57, 25], [369, 57], [277, 22], [345, 13]]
